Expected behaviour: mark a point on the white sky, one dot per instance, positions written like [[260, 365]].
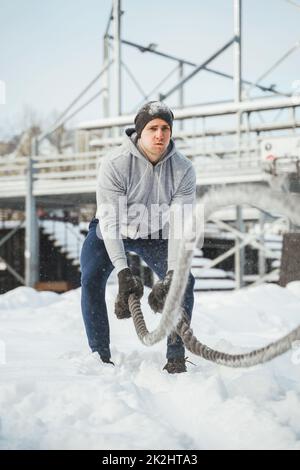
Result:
[[50, 50]]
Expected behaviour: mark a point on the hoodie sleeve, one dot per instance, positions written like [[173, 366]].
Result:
[[180, 210], [111, 205]]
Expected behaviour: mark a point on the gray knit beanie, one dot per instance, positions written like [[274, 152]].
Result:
[[152, 110]]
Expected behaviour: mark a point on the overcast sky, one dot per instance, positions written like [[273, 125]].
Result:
[[51, 49]]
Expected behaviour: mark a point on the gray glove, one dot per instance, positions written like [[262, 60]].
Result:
[[159, 293], [128, 284]]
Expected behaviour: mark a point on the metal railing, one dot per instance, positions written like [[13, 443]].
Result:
[[60, 174], [216, 155]]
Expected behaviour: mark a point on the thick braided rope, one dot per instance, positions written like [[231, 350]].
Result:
[[171, 312], [256, 196], [258, 356], [183, 329], [137, 317]]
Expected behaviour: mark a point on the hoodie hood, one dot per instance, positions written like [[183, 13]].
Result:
[[131, 139], [134, 197]]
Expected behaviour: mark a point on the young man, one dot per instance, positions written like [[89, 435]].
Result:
[[138, 185]]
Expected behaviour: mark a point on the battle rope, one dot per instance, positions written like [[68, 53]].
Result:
[[172, 317], [183, 329]]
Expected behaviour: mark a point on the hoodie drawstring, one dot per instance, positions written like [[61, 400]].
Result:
[[142, 177], [158, 184]]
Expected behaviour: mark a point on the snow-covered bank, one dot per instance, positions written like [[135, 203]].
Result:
[[56, 395]]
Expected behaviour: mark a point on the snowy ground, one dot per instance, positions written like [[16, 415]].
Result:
[[56, 395]]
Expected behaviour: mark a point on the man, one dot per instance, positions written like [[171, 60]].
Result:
[[145, 173]]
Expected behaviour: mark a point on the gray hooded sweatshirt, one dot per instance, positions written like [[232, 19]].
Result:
[[135, 198]]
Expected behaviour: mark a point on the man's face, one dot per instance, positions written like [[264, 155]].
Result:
[[155, 137]]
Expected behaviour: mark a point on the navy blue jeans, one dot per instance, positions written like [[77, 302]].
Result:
[[95, 270]]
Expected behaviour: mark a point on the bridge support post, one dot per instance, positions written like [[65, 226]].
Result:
[[117, 85], [261, 253], [240, 251], [31, 225]]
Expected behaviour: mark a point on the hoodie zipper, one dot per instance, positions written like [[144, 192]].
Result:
[[153, 173], [139, 224]]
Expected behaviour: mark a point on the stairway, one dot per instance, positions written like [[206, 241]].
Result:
[[66, 236], [211, 279]]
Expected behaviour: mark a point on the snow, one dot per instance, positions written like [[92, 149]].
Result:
[[55, 394], [214, 284], [155, 107], [9, 224]]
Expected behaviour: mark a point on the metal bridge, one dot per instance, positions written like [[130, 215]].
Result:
[[224, 140], [215, 154]]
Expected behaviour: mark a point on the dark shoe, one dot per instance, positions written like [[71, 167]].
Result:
[[106, 360], [176, 365]]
